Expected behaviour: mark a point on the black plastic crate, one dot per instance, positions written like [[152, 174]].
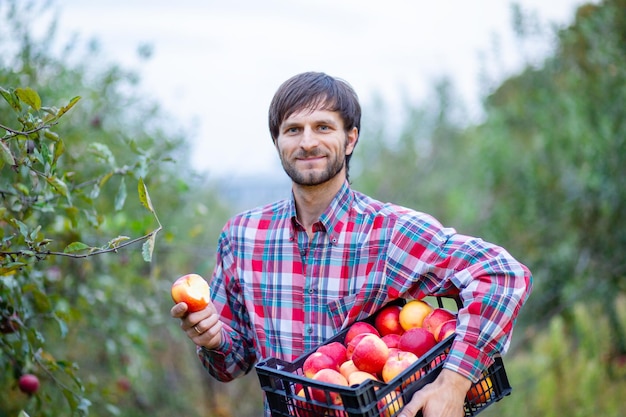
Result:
[[282, 381]]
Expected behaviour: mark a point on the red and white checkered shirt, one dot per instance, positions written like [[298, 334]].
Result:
[[280, 294]]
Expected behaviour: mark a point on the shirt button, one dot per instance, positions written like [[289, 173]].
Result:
[[309, 330], [311, 290]]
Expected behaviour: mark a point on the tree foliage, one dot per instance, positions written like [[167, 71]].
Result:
[[80, 306]]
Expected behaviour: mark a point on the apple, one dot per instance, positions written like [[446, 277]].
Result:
[[413, 313], [358, 377], [357, 328], [28, 383], [391, 404], [417, 340], [304, 408], [387, 320], [436, 318], [445, 329], [355, 341], [480, 392], [192, 290], [328, 376], [397, 363], [370, 354], [335, 350], [317, 361], [391, 340], [347, 368]]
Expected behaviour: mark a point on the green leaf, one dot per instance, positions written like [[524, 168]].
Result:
[[23, 414], [144, 197], [59, 149], [71, 104], [103, 152], [29, 96], [120, 197], [148, 247], [58, 185], [5, 154], [11, 98], [76, 247]]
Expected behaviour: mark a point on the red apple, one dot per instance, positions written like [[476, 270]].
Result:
[[317, 361], [391, 340], [28, 383], [335, 350], [417, 340], [397, 363], [192, 290], [358, 328], [445, 329], [387, 320], [329, 376], [436, 318], [355, 341], [370, 354]]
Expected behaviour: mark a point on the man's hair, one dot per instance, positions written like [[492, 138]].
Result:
[[314, 90]]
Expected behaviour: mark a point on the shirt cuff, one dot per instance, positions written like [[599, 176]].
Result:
[[467, 360]]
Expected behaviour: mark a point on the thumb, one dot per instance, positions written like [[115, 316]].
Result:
[[414, 406]]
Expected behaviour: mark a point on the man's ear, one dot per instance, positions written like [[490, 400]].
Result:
[[352, 138]]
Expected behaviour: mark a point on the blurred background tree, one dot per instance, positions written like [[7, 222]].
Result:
[[541, 173]]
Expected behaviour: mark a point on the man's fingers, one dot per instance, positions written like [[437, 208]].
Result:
[[412, 407], [178, 311]]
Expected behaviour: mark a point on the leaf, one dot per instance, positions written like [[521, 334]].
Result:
[[114, 243], [29, 96], [65, 109], [120, 197], [58, 185], [76, 247], [148, 247], [103, 152], [23, 414], [144, 197], [5, 154], [59, 149], [11, 98]]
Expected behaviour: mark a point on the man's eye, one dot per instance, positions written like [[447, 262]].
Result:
[[323, 128]]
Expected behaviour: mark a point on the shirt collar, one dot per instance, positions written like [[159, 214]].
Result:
[[336, 214]]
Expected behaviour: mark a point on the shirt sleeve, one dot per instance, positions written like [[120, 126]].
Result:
[[236, 355], [427, 259]]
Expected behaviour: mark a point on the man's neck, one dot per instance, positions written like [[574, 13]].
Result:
[[312, 201]]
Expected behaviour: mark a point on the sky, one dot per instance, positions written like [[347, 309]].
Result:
[[216, 64]]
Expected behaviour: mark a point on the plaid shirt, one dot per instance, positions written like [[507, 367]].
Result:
[[281, 294]]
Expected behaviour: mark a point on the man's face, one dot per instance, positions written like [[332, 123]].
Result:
[[313, 145]]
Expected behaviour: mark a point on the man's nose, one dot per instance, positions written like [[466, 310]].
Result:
[[309, 138]]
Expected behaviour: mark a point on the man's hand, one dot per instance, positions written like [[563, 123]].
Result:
[[444, 397], [203, 327]]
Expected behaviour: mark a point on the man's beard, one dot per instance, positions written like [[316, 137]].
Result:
[[314, 178]]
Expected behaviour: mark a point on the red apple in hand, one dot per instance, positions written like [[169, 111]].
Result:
[[417, 340], [387, 320], [370, 354], [192, 290], [317, 361]]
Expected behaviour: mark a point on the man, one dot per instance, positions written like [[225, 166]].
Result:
[[291, 274]]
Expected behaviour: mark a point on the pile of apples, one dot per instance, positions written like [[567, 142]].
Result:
[[397, 338]]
